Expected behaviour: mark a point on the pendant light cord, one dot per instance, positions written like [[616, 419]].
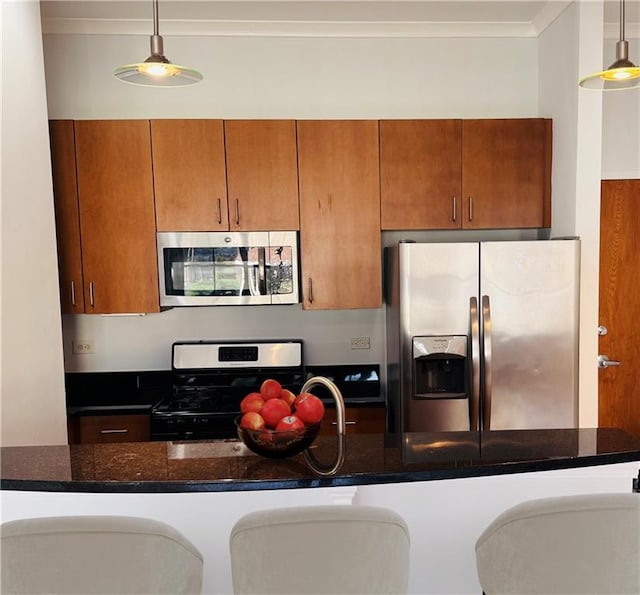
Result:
[[157, 45], [621, 20], [155, 17]]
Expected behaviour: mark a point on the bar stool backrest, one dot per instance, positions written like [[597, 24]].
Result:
[[320, 549], [564, 545], [97, 554]]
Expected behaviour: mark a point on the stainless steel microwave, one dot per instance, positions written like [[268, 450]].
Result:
[[228, 268]]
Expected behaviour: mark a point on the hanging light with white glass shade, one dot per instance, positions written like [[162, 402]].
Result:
[[622, 74], [157, 70]]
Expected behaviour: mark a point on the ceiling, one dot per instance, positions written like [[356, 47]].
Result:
[[366, 18]]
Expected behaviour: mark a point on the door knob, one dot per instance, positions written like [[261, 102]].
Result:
[[605, 362]]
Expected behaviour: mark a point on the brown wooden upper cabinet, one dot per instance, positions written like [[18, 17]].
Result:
[[420, 174], [468, 174], [339, 214], [262, 174], [117, 226], [238, 175], [65, 191], [190, 178]]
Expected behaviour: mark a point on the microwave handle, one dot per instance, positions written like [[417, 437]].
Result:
[[262, 281]]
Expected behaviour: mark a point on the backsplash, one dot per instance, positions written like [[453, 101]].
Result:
[[143, 342]]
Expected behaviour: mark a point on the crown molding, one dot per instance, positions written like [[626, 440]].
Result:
[[549, 13], [264, 28], [312, 24]]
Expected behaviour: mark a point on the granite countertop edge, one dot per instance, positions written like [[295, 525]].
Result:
[[337, 480]]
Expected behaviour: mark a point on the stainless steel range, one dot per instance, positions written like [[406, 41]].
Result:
[[211, 378]]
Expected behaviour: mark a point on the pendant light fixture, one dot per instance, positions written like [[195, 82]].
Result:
[[622, 74], [157, 70]]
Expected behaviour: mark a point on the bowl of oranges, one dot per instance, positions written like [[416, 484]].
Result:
[[276, 423]]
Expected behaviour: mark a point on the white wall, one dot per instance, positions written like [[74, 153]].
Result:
[[558, 57], [275, 77], [32, 383], [568, 48]]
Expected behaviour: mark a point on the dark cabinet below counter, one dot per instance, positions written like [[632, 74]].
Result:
[[358, 420], [100, 429]]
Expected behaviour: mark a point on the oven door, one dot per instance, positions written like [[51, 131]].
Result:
[[200, 268]]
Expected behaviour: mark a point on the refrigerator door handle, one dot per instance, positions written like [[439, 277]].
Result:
[[474, 406], [487, 376]]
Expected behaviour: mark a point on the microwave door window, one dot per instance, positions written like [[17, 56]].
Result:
[[189, 271], [279, 270], [215, 271], [237, 271]]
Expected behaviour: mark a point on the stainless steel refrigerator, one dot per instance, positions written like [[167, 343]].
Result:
[[482, 335]]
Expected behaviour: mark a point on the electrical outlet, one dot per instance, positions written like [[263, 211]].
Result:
[[85, 347], [360, 343]]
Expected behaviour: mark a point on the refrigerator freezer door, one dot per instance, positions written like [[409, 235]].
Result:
[[533, 292], [436, 282]]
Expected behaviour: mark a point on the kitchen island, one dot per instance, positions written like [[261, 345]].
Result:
[[448, 487]]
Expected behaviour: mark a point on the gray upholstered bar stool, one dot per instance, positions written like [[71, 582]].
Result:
[[570, 544], [97, 554], [320, 549]]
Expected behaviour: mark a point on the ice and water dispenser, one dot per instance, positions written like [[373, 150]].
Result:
[[440, 384], [439, 366]]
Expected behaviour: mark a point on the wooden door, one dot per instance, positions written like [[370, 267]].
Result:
[[65, 194], [420, 174], [618, 397], [506, 173], [262, 171], [189, 175], [115, 190], [339, 214]]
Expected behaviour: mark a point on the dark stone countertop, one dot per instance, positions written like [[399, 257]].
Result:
[[226, 465]]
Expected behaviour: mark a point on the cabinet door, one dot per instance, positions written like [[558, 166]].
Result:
[[420, 174], [189, 175], [339, 214], [117, 221], [506, 173], [358, 420], [262, 174], [95, 429], [65, 193]]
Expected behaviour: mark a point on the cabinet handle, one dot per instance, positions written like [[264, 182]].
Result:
[[471, 208], [73, 293], [453, 212], [346, 423], [115, 431], [91, 300], [237, 212], [310, 290], [219, 212]]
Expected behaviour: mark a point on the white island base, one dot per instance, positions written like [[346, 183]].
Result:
[[445, 517]]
